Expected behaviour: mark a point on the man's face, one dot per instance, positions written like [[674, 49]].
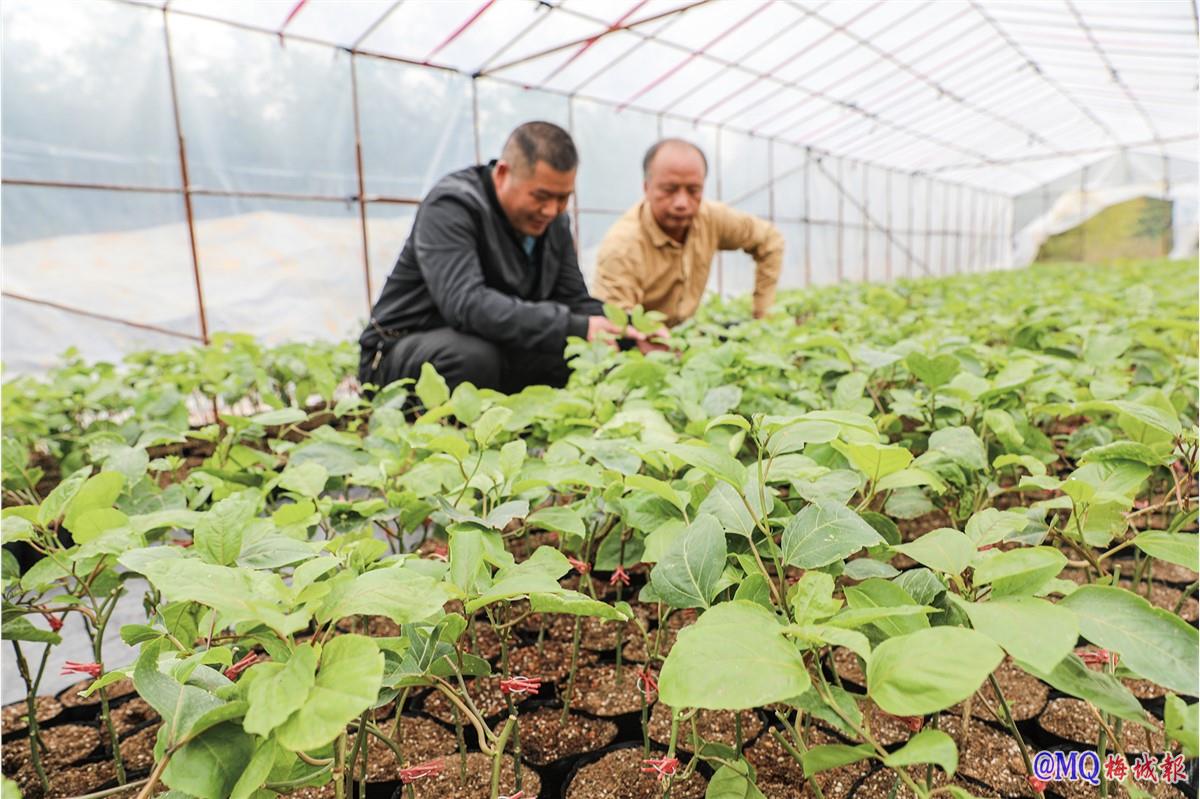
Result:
[[532, 199], [674, 188]]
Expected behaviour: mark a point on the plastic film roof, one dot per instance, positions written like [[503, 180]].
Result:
[[1002, 94]]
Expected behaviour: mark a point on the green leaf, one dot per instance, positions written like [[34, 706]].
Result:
[[885, 604], [616, 315], [735, 656], [1181, 724], [933, 372], [237, 594], [575, 604], [56, 501], [402, 594], [929, 670], [538, 574], [728, 419], [711, 460], [812, 598], [19, 628], [944, 550], [98, 492], [490, 424], [257, 770], [961, 445], [991, 525], [1182, 549], [1104, 691], [733, 781], [347, 683], [219, 533], [794, 437], [558, 518], [823, 533], [875, 460], [831, 756], [688, 574], [725, 503], [307, 479], [180, 706], [278, 690], [1029, 629], [466, 402], [1018, 572], [209, 766], [659, 488], [16, 528], [927, 746], [1152, 642], [1124, 451], [431, 387]]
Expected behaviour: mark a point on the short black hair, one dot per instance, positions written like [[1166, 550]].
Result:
[[540, 141], [658, 145]]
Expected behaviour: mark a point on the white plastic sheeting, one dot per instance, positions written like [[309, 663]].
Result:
[[884, 139]]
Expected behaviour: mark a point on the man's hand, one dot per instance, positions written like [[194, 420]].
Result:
[[599, 326], [655, 342]]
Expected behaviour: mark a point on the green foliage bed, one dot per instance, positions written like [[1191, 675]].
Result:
[[935, 476]]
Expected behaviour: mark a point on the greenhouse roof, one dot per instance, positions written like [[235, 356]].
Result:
[[1002, 94]]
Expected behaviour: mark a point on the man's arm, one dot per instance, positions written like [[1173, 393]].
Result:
[[446, 239], [737, 230]]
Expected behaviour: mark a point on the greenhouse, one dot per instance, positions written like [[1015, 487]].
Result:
[[600, 399]]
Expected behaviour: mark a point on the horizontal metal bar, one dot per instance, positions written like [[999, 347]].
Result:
[[200, 191], [12, 295]]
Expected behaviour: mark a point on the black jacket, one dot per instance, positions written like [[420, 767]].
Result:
[[463, 267]]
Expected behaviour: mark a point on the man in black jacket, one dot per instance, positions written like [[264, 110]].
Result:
[[487, 288]]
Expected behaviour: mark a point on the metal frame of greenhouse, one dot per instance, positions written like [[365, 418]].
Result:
[[925, 146]]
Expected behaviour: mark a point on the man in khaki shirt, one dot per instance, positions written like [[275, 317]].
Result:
[[658, 253]]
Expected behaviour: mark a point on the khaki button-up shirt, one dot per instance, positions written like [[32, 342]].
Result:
[[638, 264]]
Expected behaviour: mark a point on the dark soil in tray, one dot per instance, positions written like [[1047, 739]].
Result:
[[712, 726], [598, 635], [618, 775], [597, 692], [71, 698], [849, 667], [138, 749], [989, 756], [484, 692], [780, 776], [1174, 573], [880, 783], [1071, 720], [485, 644], [64, 744], [551, 664], [131, 715], [13, 717], [544, 739], [1026, 695], [420, 739], [66, 782], [479, 780]]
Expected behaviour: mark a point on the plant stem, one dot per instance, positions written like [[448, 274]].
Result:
[[1012, 726], [500, 744], [339, 767], [570, 693], [1183, 597], [110, 791], [358, 747], [35, 740], [97, 652]]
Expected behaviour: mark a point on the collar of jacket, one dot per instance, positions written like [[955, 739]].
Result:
[[657, 237], [489, 189]]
